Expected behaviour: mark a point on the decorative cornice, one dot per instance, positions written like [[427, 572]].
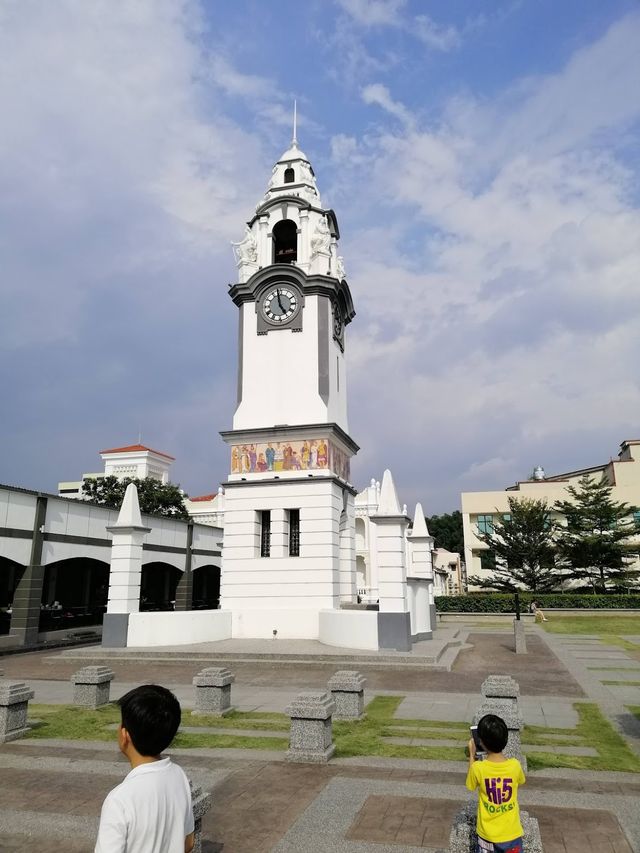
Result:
[[244, 436], [322, 285], [285, 481]]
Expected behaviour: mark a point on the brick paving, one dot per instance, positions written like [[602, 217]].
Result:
[[568, 830], [415, 821], [50, 795], [539, 673]]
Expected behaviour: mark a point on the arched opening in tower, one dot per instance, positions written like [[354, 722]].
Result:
[[289, 175], [285, 242]]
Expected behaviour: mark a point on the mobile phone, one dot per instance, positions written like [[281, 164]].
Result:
[[480, 750]]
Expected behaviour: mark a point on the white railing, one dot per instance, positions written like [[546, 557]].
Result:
[[368, 594]]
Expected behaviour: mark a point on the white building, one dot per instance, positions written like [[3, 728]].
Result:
[[479, 509], [136, 461]]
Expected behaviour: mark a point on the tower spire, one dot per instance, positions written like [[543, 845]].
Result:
[[294, 140]]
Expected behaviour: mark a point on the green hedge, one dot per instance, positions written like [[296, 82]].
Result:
[[504, 603]]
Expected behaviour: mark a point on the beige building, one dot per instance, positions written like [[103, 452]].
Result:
[[480, 509]]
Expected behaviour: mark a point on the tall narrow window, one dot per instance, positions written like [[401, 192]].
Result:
[[485, 524], [289, 175], [294, 532], [265, 533]]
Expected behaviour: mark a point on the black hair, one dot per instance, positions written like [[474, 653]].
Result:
[[493, 733], [151, 715]]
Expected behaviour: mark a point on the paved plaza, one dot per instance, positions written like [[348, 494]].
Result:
[[51, 790]]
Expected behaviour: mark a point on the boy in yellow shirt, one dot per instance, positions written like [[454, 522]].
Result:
[[497, 779]]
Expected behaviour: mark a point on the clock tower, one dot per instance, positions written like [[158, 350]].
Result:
[[289, 546]]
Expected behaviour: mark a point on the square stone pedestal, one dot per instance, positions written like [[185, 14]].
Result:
[[14, 703], [347, 691], [91, 686], [520, 637], [213, 691], [311, 733]]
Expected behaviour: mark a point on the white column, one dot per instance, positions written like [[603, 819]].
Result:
[[126, 556], [348, 585], [392, 572], [279, 533], [303, 241]]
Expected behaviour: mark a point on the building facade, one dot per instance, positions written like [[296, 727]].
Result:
[[480, 509]]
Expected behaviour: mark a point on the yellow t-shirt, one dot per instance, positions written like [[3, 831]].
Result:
[[497, 783]]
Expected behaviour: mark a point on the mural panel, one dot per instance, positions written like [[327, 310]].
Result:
[[307, 455]]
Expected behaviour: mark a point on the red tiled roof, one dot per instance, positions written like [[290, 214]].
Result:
[[132, 447], [204, 497]]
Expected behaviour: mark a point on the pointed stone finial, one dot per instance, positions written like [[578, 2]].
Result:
[[389, 503], [129, 515], [419, 523], [294, 139]]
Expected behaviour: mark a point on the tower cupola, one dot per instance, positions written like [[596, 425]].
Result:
[[290, 226]]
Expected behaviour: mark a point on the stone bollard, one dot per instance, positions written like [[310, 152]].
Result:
[[213, 691], [501, 687], [504, 709], [91, 686], [201, 802], [347, 691], [311, 735], [463, 832], [520, 637], [14, 702]]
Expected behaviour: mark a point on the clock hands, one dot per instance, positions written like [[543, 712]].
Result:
[[280, 302]]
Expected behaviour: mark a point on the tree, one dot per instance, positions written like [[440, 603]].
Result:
[[522, 543], [446, 529], [595, 545], [155, 498]]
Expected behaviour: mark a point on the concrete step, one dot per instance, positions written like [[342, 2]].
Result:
[[431, 654]]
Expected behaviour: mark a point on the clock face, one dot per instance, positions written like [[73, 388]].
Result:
[[280, 304]]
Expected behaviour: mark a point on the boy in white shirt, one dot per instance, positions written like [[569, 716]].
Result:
[[151, 810]]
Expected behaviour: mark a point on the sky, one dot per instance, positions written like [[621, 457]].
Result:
[[483, 162]]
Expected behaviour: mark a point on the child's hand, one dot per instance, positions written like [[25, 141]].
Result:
[[472, 749]]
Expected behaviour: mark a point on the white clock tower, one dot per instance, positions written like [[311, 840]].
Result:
[[289, 545]]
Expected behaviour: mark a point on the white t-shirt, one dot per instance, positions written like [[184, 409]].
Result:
[[149, 812]]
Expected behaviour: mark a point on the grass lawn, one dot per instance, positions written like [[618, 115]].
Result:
[[366, 737], [635, 710], [601, 624], [609, 629]]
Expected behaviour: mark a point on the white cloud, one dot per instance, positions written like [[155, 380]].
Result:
[[374, 13], [378, 94], [435, 36], [370, 14], [123, 182], [235, 83], [511, 319]]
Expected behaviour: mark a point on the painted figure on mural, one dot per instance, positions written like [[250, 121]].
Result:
[[253, 457], [289, 456], [279, 457], [270, 455]]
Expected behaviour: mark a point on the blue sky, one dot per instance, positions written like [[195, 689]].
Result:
[[483, 162]]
